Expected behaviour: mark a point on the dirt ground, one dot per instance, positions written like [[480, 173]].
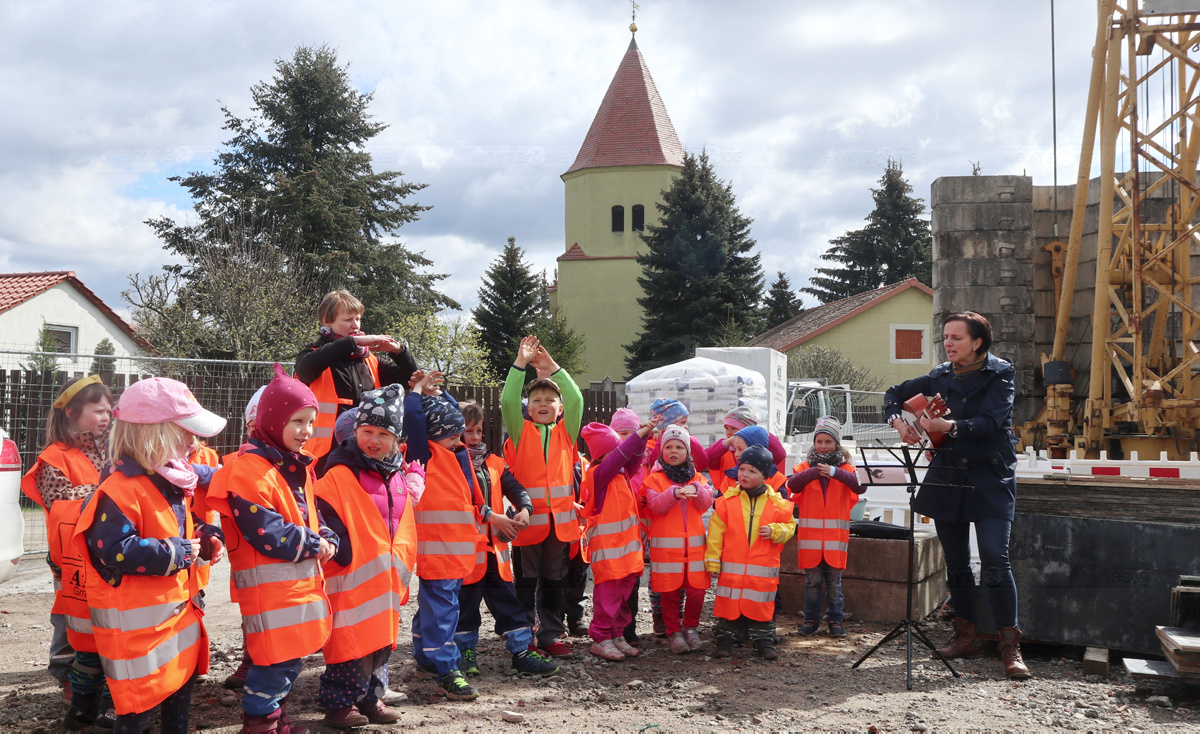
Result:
[[811, 687]]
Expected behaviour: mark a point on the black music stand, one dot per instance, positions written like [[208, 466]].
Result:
[[908, 457]]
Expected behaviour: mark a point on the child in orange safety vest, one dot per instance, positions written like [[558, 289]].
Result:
[[824, 489], [143, 553], [677, 497], [343, 364], [65, 474], [368, 498], [613, 534], [277, 542], [746, 533]]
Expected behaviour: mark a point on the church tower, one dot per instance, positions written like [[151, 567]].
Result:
[[628, 158]]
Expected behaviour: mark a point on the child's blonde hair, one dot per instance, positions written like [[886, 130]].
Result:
[[149, 444], [334, 302]]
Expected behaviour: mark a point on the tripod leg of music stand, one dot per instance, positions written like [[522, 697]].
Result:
[[925, 639], [908, 634], [886, 639]]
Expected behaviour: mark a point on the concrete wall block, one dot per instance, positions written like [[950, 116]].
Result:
[[979, 244], [987, 300], [993, 271], [987, 217], [870, 601], [1043, 198], [977, 189]]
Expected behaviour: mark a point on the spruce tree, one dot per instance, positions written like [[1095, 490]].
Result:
[[894, 246], [300, 168], [782, 304], [512, 301], [699, 276]]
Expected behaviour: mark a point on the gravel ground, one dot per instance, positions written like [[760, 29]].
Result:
[[811, 687]]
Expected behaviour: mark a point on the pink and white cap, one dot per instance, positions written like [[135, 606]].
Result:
[[163, 400]]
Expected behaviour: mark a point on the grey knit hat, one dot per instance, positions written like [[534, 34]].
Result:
[[831, 426]]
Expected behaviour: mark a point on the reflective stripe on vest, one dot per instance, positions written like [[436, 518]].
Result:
[[276, 573], [79, 624], [610, 528], [446, 517], [608, 554], [734, 594], [136, 619], [386, 602], [823, 527], [275, 619], [162, 653]]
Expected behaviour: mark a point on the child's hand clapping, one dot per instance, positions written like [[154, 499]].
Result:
[[686, 492], [764, 531], [825, 469], [430, 383], [526, 352], [326, 552]]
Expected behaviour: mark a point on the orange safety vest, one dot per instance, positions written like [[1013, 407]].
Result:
[[205, 455], [749, 573], [823, 528], [494, 466], [70, 590], [614, 545], [448, 540], [366, 596], [720, 481], [549, 479], [149, 630], [327, 407], [676, 552], [285, 612]]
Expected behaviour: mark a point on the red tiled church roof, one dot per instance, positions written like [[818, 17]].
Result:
[[794, 332], [632, 127], [574, 253], [17, 288]]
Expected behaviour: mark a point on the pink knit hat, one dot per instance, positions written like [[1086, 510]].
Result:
[[600, 439], [163, 400], [624, 419], [741, 417]]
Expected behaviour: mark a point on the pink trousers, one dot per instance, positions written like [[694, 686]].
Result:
[[610, 610]]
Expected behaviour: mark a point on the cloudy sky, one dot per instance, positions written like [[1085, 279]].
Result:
[[799, 104]]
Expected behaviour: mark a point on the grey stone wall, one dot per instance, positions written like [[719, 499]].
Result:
[[983, 261]]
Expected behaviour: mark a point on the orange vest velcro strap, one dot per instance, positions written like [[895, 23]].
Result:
[[277, 619], [276, 573], [158, 657]]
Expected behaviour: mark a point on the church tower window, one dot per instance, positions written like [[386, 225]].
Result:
[[639, 218], [618, 218]]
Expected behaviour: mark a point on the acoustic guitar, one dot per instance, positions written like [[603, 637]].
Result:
[[929, 407]]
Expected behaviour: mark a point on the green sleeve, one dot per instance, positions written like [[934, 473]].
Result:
[[510, 404], [572, 403]]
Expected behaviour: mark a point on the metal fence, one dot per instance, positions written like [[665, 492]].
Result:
[[224, 387], [28, 390], [861, 413]]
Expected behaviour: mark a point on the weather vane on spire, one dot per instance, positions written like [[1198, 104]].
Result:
[[633, 6]]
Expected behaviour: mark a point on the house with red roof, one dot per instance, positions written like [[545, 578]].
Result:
[[628, 158], [888, 330], [75, 317]]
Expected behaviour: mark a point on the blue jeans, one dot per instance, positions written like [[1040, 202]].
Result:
[[501, 599], [267, 685], [831, 578], [434, 624], [996, 571]]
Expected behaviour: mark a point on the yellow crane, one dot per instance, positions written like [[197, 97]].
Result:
[[1144, 104]]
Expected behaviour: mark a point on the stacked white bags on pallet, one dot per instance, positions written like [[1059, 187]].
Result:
[[707, 388]]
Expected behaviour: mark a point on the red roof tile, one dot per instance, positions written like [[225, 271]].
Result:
[[17, 288], [574, 252], [791, 334], [632, 127]]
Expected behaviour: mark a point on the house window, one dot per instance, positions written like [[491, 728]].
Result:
[[618, 218], [639, 218], [64, 337], [909, 343]]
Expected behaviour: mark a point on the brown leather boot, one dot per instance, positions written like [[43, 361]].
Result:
[[963, 644], [1010, 653]]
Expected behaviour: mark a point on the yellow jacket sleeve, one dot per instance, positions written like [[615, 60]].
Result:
[[716, 542]]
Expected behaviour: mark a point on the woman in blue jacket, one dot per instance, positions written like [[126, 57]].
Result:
[[978, 389]]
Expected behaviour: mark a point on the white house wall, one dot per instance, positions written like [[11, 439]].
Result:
[[62, 305]]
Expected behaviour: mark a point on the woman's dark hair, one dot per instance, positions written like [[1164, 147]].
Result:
[[58, 425], [977, 326]]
